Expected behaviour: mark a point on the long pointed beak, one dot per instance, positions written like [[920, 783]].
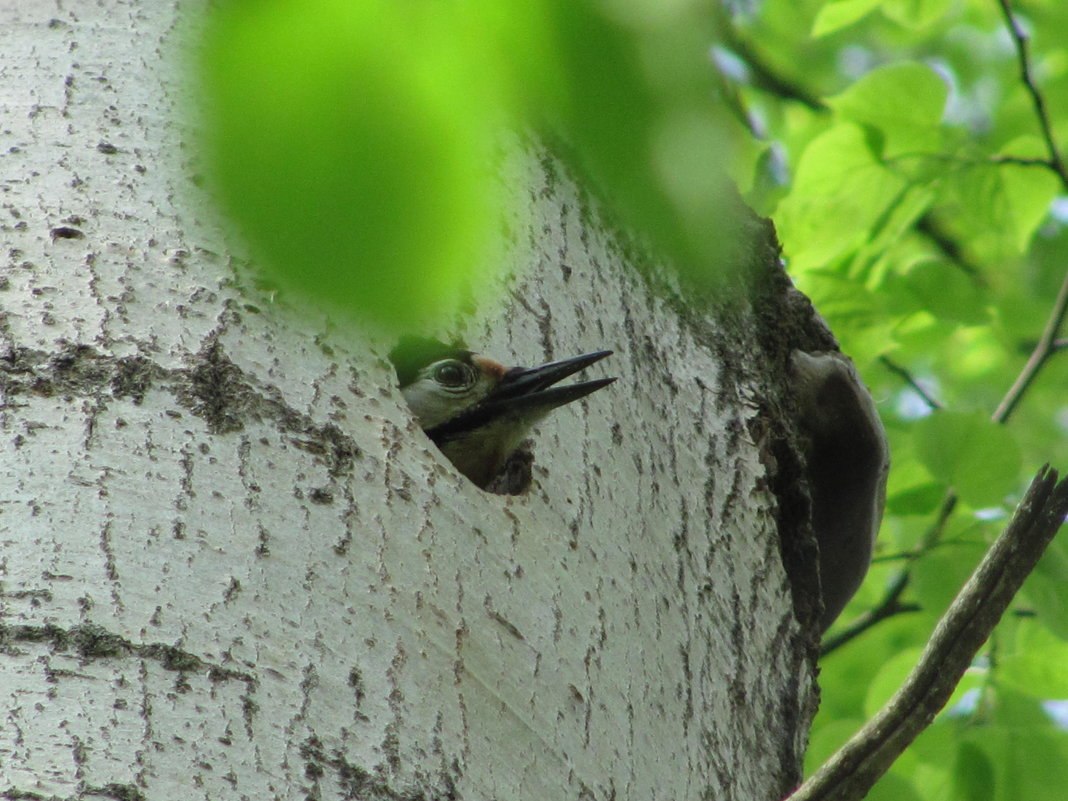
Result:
[[523, 387], [527, 392]]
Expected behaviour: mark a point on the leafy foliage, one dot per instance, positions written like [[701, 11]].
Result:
[[354, 140], [924, 212], [914, 176], [340, 132]]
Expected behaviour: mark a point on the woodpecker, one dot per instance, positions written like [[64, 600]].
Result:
[[848, 459], [477, 410]]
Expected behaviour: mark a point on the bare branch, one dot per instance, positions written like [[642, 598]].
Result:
[[906, 376], [851, 772], [930, 227], [1021, 161], [1046, 347], [889, 606], [1020, 40]]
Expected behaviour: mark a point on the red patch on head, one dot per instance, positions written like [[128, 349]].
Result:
[[490, 368]]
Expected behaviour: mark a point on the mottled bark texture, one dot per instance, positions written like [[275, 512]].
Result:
[[232, 566]]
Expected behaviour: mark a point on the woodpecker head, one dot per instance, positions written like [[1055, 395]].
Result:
[[477, 410]]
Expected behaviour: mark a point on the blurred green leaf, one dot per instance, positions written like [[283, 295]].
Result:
[[827, 739], [922, 499], [932, 757], [1029, 190], [1047, 589], [903, 101], [1031, 754], [1036, 661], [872, 264], [1003, 203], [940, 574], [977, 457], [915, 13], [894, 787], [354, 141], [839, 194], [838, 14], [947, 293], [638, 116], [973, 774], [351, 142], [890, 676]]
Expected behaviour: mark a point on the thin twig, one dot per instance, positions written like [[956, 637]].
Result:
[[930, 227], [1046, 347], [906, 556], [1021, 161], [1020, 39], [763, 75], [1047, 343], [906, 376], [856, 766], [889, 606]]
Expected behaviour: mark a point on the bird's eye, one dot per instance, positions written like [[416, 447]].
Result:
[[452, 374]]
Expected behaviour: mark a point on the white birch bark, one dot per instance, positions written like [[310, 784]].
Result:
[[233, 568]]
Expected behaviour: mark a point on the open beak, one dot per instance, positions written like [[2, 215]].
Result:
[[529, 387], [528, 392]]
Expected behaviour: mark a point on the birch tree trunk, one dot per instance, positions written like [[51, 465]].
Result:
[[233, 568]]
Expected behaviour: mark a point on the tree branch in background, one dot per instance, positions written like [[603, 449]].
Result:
[[891, 604], [1020, 40], [1047, 344], [852, 771], [762, 75], [948, 246], [766, 78], [906, 376], [1046, 347]]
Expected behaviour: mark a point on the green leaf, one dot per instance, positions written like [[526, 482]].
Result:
[[915, 13], [933, 755], [938, 576], [947, 293], [1047, 588], [1028, 190], [839, 194], [919, 500], [1036, 663], [825, 740], [637, 117], [890, 676], [903, 101], [351, 142], [847, 302], [973, 774], [896, 786], [970, 453], [1030, 753], [1003, 204], [837, 15], [876, 260]]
